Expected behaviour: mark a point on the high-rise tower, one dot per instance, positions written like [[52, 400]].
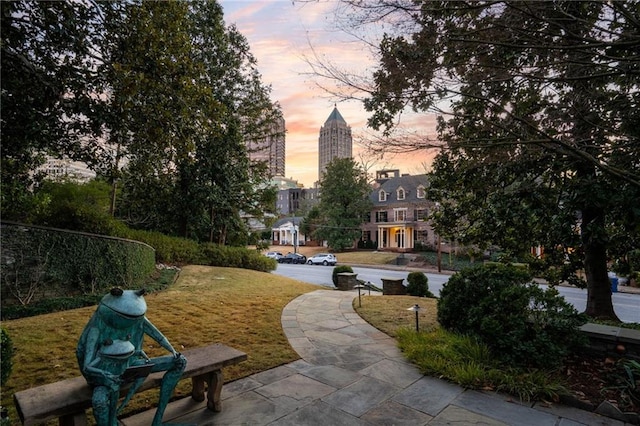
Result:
[[271, 148], [334, 141]]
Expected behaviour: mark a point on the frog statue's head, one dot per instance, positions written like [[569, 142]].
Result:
[[122, 309]]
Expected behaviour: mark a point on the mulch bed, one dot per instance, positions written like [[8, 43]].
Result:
[[592, 380]]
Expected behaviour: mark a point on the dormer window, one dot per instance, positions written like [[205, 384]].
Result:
[[382, 195], [420, 192], [401, 193]]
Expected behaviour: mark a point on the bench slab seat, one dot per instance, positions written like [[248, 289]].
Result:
[[69, 399]]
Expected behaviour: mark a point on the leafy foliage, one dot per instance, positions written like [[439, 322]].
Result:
[[343, 203], [338, 270], [6, 356], [160, 280], [418, 284], [469, 362], [522, 324], [235, 257], [159, 98], [535, 102], [76, 207], [38, 262], [46, 91]]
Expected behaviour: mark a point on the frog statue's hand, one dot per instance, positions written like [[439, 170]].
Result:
[[104, 378]]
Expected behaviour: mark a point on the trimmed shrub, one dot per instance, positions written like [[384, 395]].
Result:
[[235, 257], [338, 270], [37, 262], [172, 250], [418, 285], [6, 356], [523, 324]]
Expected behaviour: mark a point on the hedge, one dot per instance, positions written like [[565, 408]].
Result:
[[44, 262]]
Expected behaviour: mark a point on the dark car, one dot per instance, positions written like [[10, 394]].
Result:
[[293, 258]]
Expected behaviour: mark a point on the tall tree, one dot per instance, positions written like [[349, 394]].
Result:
[[229, 184], [539, 114], [160, 98], [344, 201], [47, 71]]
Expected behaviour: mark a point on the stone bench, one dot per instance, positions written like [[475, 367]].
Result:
[[69, 399]]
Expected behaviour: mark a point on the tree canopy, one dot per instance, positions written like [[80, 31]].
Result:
[[159, 98], [344, 202], [538, 123]]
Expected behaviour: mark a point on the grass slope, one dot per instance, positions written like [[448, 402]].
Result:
[[237, 307]]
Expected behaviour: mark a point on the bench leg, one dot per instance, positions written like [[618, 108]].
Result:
[[77, 419], [213, 382]]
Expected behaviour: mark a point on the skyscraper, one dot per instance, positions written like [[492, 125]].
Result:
[[334, 141], [271, 148]]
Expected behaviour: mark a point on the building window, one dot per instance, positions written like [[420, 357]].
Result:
[[382, 195], [420, 192], [381, 216], [400, 193], [400, 215], [421, 236], [421, 214]]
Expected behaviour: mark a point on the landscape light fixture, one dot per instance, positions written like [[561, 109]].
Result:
[[359, 286], [415, 308]]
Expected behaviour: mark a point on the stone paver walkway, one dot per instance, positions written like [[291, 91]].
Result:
[[352, 374]]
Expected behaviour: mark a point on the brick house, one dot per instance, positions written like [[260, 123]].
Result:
[[398, 219]]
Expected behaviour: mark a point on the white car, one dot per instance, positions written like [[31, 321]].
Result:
[[322, 259], [274, 254]]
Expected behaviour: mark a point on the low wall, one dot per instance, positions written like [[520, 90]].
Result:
[[393, 287], [347, 281], [612, 341]]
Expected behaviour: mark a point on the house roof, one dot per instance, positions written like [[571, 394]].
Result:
[[390, 186], [295, 219]]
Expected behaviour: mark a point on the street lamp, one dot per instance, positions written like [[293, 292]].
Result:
[[439, 243], [359, 286], [439, 254], [415, 308]]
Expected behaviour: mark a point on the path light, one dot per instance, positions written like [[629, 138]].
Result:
[[415, 308], [369, 286], [359, 286]]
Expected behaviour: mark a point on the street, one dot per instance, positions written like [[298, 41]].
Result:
[[626, 305]]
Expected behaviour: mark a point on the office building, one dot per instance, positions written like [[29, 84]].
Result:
[[334, 141]]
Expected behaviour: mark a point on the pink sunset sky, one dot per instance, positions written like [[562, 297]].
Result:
[[281, 35]]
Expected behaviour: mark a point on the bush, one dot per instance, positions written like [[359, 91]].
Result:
[[235, 257], [338, 270], [418, 285], [38, 261], [367, 245], [172, 250], [6, 356], [523, 324]]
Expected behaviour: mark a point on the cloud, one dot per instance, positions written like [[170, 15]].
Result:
[[279, 34]]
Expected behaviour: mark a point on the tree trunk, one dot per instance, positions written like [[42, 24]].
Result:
[[599, 302], [112, 206], [211, 217]]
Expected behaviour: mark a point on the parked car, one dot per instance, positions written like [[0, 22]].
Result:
[[274, 254], [322, 259], [293, 258]]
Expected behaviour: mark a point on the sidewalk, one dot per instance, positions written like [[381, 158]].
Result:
[[352, 374]]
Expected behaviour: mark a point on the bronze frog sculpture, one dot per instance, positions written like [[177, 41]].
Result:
[[111, 357]]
